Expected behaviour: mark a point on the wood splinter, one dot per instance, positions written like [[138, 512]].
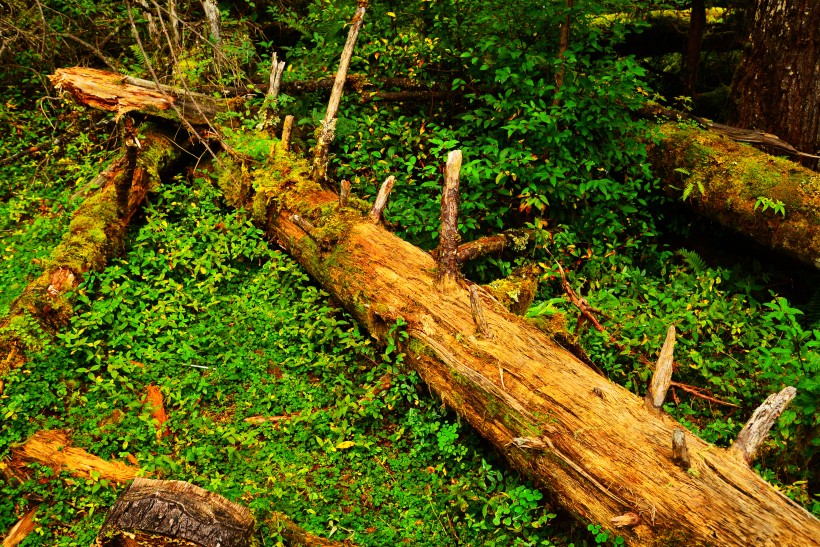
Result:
[[478, 314], [344, 193], [448, 236], [381, 199], [663, 374], [680, 452], [751, 437]]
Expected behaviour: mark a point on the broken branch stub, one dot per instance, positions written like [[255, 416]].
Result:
[[448, 235], [663, 374], [344, 193], [286, 131], [381, 199], [751, 437], [478, 314], [276, 70], [328, 128], [680, 453]]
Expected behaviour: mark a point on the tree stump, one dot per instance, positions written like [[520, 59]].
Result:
[[156, 512]]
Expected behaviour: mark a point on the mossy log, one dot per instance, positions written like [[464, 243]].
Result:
[[593, 444], [736, 185], [96, 233]]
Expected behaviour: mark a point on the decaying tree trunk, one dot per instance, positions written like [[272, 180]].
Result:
[[739, 187], [589, 441], [96, 232], [595, 445]]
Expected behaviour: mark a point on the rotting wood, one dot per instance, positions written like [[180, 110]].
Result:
[[96, 233], [751, 437], [327, 130], [727, 181], [150, 510], [21, 529], [602, 454], [663, 374], [447, 252], [381, 199], [296, 535], [166, 512], [53, 449], [275, 83], [155, 406]]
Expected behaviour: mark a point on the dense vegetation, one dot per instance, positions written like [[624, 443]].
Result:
[[229, 328]]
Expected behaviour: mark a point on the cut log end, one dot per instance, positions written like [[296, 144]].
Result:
[[751, 437], [154, 509], [663, 374]]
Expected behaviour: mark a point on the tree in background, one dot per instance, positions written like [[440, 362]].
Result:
[[777, 85]]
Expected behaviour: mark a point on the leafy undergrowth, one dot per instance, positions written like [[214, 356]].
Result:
[[229, 329]]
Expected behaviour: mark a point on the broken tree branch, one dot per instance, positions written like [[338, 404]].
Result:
[[751, 437], [328, 127], [381, 199], [448, 269], [663, 374]]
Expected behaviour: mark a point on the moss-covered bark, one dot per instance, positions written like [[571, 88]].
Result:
[[736, 185], [96, 232]]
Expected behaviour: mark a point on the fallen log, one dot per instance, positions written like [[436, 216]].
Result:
[[52, 448], [121, 94], [773, 201], [589, 441], [592, 443], [96, 232]]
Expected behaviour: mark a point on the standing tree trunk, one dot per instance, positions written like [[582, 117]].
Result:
[[777, 85]]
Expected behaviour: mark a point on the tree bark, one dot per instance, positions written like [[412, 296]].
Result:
[[777, 84], [604, 456], [697, 26], [727, 180]]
